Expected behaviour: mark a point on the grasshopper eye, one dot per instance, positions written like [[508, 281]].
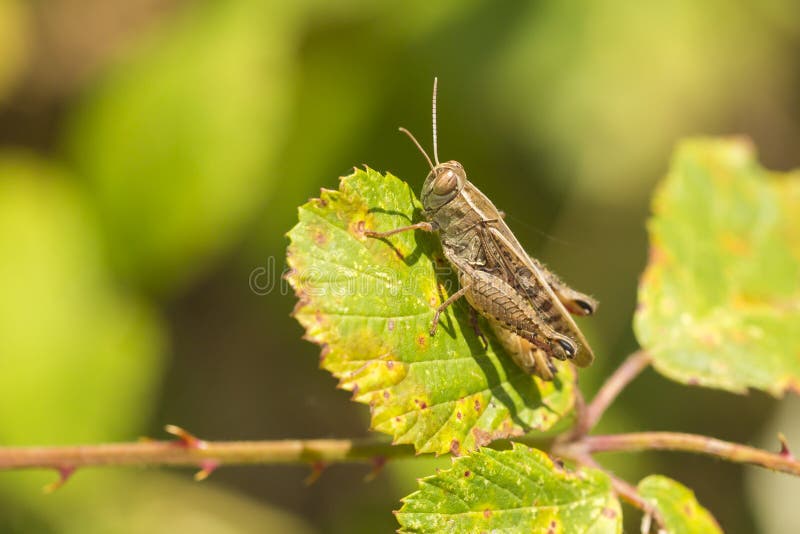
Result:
[[445, 182]]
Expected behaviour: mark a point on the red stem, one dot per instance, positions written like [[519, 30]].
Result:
[[677, 441]]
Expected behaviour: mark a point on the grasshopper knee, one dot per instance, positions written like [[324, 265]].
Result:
[[568, 347]]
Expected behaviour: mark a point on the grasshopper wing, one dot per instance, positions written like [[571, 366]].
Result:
[[531, 279]]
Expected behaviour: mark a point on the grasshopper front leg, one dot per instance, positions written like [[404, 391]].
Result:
[[427, 227], [454, 297], [424, 225]]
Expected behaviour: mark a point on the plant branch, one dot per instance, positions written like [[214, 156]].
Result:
[[782, 461], [198, 453], [188, 450], [625, 373]]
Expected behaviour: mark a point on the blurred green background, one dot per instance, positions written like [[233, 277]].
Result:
[[153, 154]]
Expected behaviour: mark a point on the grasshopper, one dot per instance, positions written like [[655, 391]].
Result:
[[527, 307]]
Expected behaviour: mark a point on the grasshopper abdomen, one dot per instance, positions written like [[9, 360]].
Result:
[[497, 300]]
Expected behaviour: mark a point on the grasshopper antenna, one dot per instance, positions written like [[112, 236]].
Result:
[[433, 113], [414, 139]]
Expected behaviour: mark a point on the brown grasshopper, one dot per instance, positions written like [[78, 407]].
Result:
[[527, 307]]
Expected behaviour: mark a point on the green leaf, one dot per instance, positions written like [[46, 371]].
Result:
[[370, 303], [176, 142], [678, 506], [520, 490], [719, 302]]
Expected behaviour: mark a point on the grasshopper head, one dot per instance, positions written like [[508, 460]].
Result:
[[442, 184]]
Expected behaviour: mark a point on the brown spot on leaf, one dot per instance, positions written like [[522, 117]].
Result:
[[390, 324], [386, 395], [687, 510], [360, 225], [455, 447], [477, 405], [389, 364], [467, 473], [487, 513], [320, 238], [552, 528], [459, 416], [421, 340]]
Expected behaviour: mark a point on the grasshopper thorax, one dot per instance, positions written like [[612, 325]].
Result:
[[443, 183]]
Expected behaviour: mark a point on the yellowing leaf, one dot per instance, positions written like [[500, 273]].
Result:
[[520, 490], [719, 302], [678, 506], [370, 303]]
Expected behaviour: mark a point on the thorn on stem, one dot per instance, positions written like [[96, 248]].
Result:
[[186, 438], [316, 471], [378, 463], [206, 468], [785, 452], [64, 474]]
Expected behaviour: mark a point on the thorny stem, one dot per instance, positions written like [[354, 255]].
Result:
[[625, 373], [783, 461], [191, 451], [179, 453], [188, 450]]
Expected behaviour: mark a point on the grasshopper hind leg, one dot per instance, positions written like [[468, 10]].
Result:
[[575, 302], [528, 357], [568, 347]]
